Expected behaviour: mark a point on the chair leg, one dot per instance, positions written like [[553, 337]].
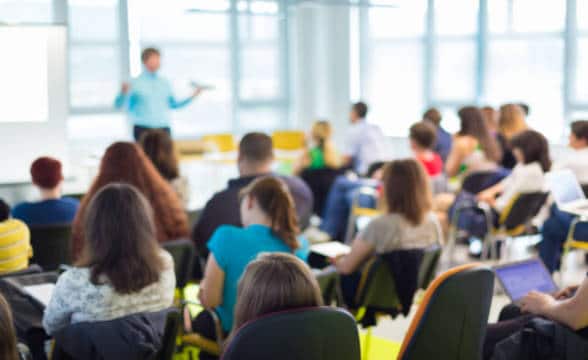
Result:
[[367, 343]]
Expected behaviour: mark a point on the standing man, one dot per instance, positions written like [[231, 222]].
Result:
[[149, 97]]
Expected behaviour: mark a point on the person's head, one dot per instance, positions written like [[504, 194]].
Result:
[[472, 124], [46, 173], [159, 148], [256, 154], [529, 147], [268, 200], [4, 211], [8, 347], [358, 112], [321, 132], [511, 120], [490, 117], [151, 59], [433, 115], [407, 190], [525, 107], [120, 239], [422, 136], [579, 134], [275, 282]]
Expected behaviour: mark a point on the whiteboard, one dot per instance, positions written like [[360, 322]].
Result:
[[33, 97]]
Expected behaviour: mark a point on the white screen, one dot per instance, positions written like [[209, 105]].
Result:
[[23, 89]]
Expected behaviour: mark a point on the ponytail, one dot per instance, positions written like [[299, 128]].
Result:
[[274, 198]]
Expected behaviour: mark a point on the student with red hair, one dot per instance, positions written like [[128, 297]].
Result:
[[47, 176], [125, 162]]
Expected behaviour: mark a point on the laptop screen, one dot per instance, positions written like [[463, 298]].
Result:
[[521, 277], [564, 186]]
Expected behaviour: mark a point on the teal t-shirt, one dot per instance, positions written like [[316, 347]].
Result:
[[234, 248]]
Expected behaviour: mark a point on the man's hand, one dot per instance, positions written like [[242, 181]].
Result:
[[125, 88], [537, 303], [565, 293]]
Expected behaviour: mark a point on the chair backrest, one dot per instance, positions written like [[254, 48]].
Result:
[[451, 321], [168, 342], [320, 181], [320, 333], [359, 209], [32, 269], [51, 245], [288, 140], [522, 209], [221, 142], [428, 266], [585, 189], [478, 181], [183, 252]]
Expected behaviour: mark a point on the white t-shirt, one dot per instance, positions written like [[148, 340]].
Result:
[[366, 144], [577, 162], [523, 179]]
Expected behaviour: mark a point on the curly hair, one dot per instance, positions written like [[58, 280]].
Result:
[[125, 162]]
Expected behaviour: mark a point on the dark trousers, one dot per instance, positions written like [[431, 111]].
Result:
[[203, 324], [139, 130], [555, 232], [510, 321]]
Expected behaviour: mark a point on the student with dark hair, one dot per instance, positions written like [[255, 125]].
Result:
[[159, 148], [365, 143], [149, 97], [47, 176], [126, 162], [444, 140], [8, 341], [122, 271], [15, 242], [275, 282], [474, 148], [255, 159], [422, 140], [408, 223], [270, 225], [557, 226]]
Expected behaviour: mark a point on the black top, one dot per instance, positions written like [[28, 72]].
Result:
[[223, 208], [508, 160]]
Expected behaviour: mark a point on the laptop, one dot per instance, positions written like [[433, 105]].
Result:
[[567, 192], [519, 278]]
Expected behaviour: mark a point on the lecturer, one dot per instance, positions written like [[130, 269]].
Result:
[[149, 97]]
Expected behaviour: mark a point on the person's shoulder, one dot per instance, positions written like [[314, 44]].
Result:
[[228, 232], [74, 277], [168, 260], [70, 201], [13, 225], [20, 209]]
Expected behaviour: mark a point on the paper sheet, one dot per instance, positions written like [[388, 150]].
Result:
[[331, 249], [41, 292]]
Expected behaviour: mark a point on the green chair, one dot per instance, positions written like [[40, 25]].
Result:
[[168, 342], [51, 245], [183, 253]]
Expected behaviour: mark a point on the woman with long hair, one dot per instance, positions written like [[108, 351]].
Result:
[[122, 269], [474, 148], [408, 222], [270, 225], [321, 151], [511, 122], [159, 148], [125, 162], [8, 342]]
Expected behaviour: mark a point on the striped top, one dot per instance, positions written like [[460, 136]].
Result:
[[15, 246]]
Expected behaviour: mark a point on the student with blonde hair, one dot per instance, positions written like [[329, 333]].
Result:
[[511, 122], [321, 153]]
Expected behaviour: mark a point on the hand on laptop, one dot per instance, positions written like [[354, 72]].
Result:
[[537, 303], [565, 293]]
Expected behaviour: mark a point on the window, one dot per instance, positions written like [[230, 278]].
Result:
[[26, 11]]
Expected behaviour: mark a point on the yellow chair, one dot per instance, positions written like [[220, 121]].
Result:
[[221, 142], [288, 140], [357, 211], [572, 243]]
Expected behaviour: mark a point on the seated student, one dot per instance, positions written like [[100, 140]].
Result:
[[474, 149], [568, 307], [555, 229], [123, 270], [531, 152], [422, 138], [270, 225], [321, 152], [256, 157], [511, 122], [125, 162], [52, 208], [407, 224], [490, 118], [10, 349], [15, 242], [272, 283], [365, 143], [159, 148], [444, 139], [340, 199]]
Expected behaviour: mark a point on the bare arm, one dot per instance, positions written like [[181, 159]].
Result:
[[211, 287], [360, 252], [455, 157]]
